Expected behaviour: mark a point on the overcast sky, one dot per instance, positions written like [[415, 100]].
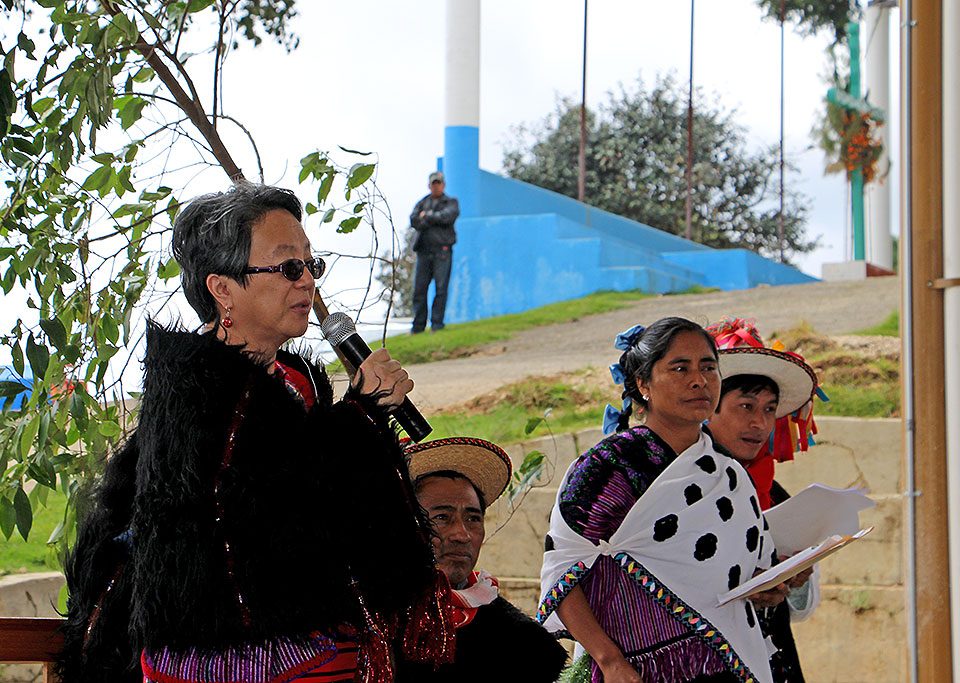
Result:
[[371, 76]]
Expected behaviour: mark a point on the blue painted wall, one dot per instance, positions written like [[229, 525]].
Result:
[[729, 269], [520, 246]]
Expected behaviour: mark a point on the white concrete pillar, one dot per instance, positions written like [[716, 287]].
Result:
[[879, 243], [951, 300], [461, 156]]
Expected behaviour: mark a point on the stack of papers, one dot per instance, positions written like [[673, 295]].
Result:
[[811, 525], [790, 567], [814, 514]]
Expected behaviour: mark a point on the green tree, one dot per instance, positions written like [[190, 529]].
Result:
[[812, 16], [636, 160], [103, 128]]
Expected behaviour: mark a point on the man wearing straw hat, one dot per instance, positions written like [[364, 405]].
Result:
[[455, 480], [764, 414]]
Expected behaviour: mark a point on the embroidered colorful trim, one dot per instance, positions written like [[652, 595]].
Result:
[[556, 594], [274, 661], [687, 616]]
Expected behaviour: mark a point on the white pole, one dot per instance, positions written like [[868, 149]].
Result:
[[463, 63], [951, 300], [879, 243]]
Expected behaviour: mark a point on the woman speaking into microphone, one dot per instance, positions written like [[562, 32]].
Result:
[[251, 529]]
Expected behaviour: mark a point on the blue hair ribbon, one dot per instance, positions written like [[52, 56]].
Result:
[[611, 416], [627, 338], [617, 373]]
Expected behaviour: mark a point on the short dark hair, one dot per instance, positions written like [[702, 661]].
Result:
[[637, 362], [211, 236], [449, 474], [748, 384]]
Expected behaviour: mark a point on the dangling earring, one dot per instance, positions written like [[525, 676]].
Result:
[[227, 322]]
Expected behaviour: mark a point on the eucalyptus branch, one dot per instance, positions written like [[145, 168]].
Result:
[[190, 106]]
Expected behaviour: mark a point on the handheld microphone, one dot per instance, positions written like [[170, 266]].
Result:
[[340, 331]]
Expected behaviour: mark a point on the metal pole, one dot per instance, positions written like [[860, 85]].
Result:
[[688, 233], [906, 329], [582, 161], [783, 4]]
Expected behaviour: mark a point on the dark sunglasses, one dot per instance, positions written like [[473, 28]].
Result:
[[292, 268]]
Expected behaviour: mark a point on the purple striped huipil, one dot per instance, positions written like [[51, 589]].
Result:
[[601, 489]]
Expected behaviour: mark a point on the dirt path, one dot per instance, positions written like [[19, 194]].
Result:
[[831, 308]]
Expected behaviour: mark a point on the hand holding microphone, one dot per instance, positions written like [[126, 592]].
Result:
[[378, 371]]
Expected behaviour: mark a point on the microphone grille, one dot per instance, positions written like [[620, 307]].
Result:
[[336, 327]]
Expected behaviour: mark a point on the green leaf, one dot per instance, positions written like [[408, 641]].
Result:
[[359, 174], [28, 436], [153, 23], [110, 329], [55, 331], [109, 428], [328, 215], [9, 390], [532, 423], [21, 505], [98, 179], [353, 151], [63, 599], [359, 207], [168, 270], [17, 354], [310, 208], [348, 225], [42, 105], [24, 145], [198, 5], [155, 195], [57, 533], [8, 517], [25, 44], [130, 111], [325, 186], [39, 357]]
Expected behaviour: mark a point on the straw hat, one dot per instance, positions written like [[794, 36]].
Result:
[[484, 463], [796, 380]]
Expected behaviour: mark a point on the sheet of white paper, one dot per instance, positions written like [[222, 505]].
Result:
[[815, 513]]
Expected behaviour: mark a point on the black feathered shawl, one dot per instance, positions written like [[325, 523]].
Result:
[[306, 501]]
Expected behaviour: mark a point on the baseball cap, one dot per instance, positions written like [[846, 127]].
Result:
[[436, 177]]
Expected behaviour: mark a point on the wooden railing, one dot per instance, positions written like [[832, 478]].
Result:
[[31, 640]]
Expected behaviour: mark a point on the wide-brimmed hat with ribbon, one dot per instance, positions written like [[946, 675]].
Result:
[[742, 352], [796, 380], [484, 463]]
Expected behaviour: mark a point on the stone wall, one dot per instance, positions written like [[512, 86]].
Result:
[[859, 631]]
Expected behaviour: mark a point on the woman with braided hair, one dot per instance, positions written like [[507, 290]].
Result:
[[653, 523]]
